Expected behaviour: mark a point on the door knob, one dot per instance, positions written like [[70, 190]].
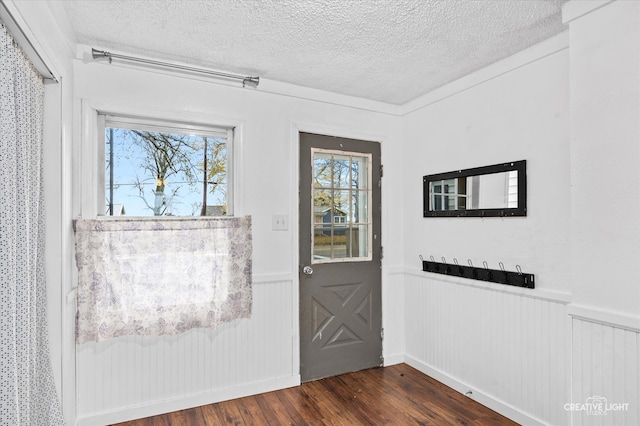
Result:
[[307, 270]]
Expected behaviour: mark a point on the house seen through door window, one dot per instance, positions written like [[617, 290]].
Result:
[[165, 169]]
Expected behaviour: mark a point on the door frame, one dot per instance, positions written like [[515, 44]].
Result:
[[296, 129]]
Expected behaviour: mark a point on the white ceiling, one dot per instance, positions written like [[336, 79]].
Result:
[[386, 50]]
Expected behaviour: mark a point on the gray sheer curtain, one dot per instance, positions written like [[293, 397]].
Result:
[[27, 391]]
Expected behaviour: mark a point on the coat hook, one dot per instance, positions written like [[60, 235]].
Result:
[[519, 269], [447, 268], [432, 259], [421, 258], [474, 272], [489, 274], [460, 271], [506, 276]]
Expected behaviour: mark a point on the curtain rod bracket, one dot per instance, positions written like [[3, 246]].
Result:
[[251, 82], [99, 54]]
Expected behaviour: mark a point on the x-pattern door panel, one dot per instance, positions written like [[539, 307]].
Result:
[[340, 302], [331, 311]]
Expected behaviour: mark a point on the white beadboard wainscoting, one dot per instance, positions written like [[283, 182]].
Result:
[[133, 377], [605, 368], [508, 346]]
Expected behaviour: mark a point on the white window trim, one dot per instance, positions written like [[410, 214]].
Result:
[[91, 151]]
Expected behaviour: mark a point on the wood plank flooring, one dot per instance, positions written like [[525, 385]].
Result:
[[394, 395]]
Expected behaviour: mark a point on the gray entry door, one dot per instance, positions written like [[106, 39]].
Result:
[[340, 252]]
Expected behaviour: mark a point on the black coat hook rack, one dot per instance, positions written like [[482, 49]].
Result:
[[500, 276]]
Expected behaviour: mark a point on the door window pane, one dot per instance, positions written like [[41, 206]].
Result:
[[322, 167], [342, 203], [359, 173], [360, 206], [341, 171]]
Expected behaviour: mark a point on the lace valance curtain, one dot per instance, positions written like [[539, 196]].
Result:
[[154, 277]]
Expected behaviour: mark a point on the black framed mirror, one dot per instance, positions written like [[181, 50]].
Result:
[[499, 190]]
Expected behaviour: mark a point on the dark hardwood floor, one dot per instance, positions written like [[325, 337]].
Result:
[[394, 395]]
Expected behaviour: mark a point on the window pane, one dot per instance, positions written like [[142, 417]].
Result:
[[322, 205], [342, 204], [322, 170], [357, 241], [322, 242], [359, 204], [449, 203], [151, 173], [436, 202], [340, 249], [341, 171], [359, 173], [449, 186]]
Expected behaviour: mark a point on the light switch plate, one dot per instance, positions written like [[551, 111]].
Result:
[[280, 222]]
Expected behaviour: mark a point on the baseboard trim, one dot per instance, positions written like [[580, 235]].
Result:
[[190, 401], [477, 395], [393, 359]]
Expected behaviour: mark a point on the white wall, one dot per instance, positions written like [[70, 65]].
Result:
[[506, 345], [605, 151], [520, 115], [265, 348], [605, 207], [136, 377], [574, 114]]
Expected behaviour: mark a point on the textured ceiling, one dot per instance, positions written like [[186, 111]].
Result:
[[386, 50]]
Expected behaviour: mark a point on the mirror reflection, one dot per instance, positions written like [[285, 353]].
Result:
[[494, 191], [497, 190]]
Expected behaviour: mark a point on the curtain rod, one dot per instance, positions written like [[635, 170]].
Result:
[[246, 80]]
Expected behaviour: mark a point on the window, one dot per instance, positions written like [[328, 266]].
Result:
[[342, 206], [449, 194], [164, 168], [168, 165]]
